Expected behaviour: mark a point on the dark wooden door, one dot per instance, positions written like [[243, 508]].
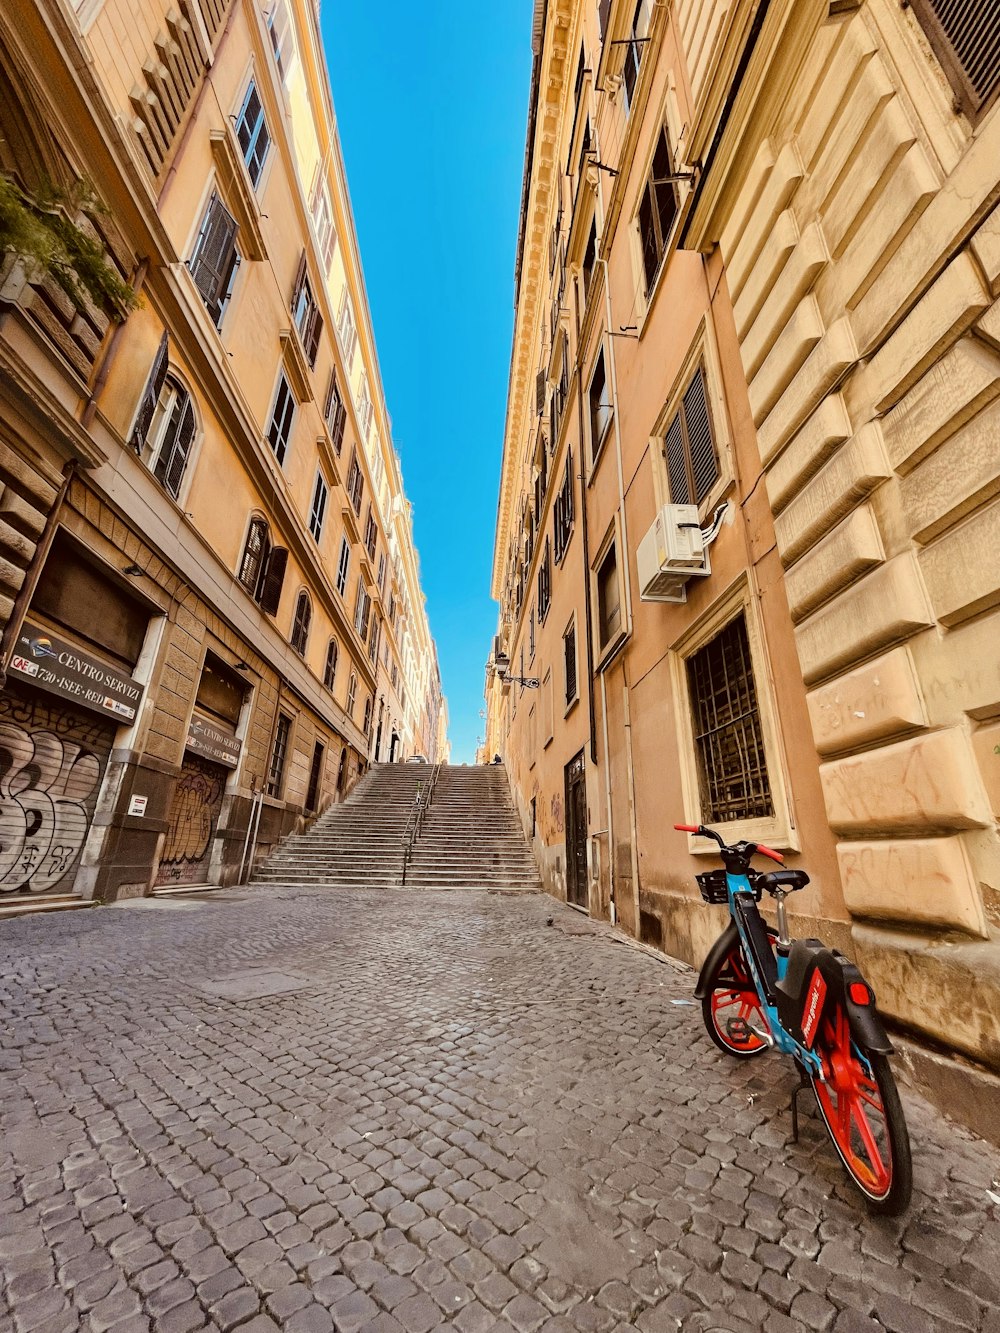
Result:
[[576, 832], [315, 774]]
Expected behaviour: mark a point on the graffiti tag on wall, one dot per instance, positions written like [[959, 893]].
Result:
[[194, 811], [47, 787]]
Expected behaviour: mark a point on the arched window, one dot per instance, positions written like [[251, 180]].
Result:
[[330, 670], [165, 425], [256, 554], [352, 690], [367, 725], [300, 625]]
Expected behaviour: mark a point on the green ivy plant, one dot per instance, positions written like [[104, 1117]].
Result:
[[40, 228]]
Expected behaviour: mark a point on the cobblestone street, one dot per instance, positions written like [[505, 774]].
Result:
[[354, 1110]]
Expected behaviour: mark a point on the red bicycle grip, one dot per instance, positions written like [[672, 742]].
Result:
[[686, 828], [767, 851]]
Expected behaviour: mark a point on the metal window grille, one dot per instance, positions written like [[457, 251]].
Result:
[[277, 769], [965, 35], [729, 741]]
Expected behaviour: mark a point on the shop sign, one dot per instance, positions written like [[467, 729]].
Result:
[[213, 741], [53, 664]]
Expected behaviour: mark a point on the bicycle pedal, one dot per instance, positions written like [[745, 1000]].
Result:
[[739, 1031]]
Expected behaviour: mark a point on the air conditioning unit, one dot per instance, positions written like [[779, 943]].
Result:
[[672, 551]]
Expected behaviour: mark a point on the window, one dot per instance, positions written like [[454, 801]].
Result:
[[352, 689], [348, 333], [563, 517], [334, 413], [262, 567], [300, 625], [355, 483], [343, 564], [322, 216], [531, 634], [634, 50], [330, 669], [600, 407], [569, 659], [609, 617], [657, 211], [394, 676], [215, 260], [276, 772], [364, 407], [362, 607], [318, 511], [545, 582], [689, 447], [165, 426], [729, 740], [251, 130], [282, 415], [964, 35], [366, 726], [305, 313], [282, 39], [371, 533], [587, 265], [373, 640], [381, 573]]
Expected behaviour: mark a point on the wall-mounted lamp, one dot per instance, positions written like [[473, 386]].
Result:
[[500, 666], [134, 571], [241, 665]]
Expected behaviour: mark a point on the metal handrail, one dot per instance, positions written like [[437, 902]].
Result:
[[416, 820]]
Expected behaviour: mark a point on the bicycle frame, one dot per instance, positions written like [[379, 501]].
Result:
[[743, 906]]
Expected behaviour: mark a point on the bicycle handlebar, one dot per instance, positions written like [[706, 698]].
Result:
[[704, 832]]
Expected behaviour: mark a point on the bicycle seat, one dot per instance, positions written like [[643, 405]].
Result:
[[788, 880]]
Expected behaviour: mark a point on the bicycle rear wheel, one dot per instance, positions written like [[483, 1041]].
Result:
[[731, 1007], [860, 1106]]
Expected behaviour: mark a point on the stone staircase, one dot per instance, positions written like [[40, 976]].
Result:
[[470, 836]]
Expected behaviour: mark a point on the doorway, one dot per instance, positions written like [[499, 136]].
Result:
[[576, 833], [315, 774]]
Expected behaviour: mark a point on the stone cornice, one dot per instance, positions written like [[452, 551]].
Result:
[[533, 294]]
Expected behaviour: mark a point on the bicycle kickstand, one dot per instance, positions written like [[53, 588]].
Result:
[[802, 1085]]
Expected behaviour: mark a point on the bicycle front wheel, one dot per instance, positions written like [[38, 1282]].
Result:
[[860, 1106], [731, 1008]]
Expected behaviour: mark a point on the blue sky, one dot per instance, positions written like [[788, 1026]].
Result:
[[432, 103]]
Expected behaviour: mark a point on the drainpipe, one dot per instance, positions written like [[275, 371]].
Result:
[[585, 535], [33, 573]]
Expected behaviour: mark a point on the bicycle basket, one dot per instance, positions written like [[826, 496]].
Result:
[[712, 884], [714, 889]]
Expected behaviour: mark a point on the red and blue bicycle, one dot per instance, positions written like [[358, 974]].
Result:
[[760, 989]]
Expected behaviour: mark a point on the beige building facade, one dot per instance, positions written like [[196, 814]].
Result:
[[757, 275], [208, 575]]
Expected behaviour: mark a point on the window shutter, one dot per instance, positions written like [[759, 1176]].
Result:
[[314, 328], [300, 277], [270, 594], [210, 266], [704, 465], [570, 642], [151, 395], [173, 467], [673, 451], [541, 385], [337, 429], [331, 389], [603, 11], [964, 35]]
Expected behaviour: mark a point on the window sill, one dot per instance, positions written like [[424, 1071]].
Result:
[[771, 832], [571, 705], [601, 448], [610, 651]]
